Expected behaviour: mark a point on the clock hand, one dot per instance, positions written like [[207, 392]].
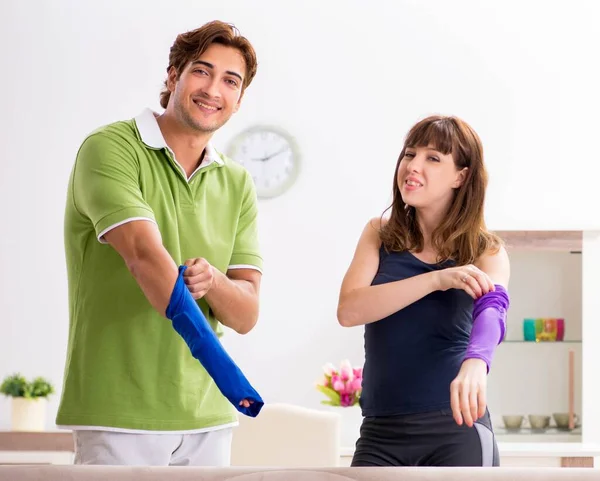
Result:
[[264, 159]]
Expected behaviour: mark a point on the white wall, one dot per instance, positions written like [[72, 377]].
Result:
[[348, 81]]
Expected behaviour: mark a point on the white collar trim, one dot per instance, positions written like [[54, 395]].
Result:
[[152, 136]]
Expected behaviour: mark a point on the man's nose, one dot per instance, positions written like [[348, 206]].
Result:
[[211, 88]]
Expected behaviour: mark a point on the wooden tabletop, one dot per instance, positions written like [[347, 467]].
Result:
[[36, 441]]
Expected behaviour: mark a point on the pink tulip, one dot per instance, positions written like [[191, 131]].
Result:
[[339, 386], [329, 369], [346, 374], [356, 385], [358, 372], [346, 370]]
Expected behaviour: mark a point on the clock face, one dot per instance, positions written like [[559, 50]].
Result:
[[271, 157]]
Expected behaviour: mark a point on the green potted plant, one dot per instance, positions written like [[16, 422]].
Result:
[[29, 400]]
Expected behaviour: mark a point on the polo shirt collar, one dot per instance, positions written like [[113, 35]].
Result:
[[152, 137]]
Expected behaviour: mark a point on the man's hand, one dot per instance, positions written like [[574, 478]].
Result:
[[198, 276], [468, 391]]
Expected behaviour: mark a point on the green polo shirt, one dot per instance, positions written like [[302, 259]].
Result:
[[126, 366]]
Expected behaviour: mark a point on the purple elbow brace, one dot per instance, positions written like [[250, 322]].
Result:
[[489, 325]]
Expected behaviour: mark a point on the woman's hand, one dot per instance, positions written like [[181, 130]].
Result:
[[468, 392], [469, 278]]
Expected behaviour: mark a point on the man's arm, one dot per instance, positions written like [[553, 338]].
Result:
[[234, 298], [139, 244], [106, 190]]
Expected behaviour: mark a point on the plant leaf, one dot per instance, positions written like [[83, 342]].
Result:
[[331, 394]]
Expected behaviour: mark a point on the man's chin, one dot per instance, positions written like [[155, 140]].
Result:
[[207, 127]]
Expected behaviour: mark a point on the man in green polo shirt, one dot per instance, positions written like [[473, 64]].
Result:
[[145, 196]]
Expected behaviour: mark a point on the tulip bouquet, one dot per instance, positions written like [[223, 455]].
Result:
[[341, 386]]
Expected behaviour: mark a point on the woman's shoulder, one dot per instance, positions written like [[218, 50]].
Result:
[[496, 264], [373, 228], [377, 223]]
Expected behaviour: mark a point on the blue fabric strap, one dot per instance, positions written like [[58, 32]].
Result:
[[190, 323]]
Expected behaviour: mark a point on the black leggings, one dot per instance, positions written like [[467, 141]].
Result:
[[425, 439]]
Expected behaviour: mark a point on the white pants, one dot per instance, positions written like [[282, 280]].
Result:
[[212, 448]]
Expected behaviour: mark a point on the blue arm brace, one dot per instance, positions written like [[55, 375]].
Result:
[[190, 323]]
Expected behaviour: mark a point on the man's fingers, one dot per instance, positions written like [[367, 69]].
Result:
[[195, 266], [200, 277]]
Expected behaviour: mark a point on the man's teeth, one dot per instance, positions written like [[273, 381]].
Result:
[[210, 107], [412, 183]]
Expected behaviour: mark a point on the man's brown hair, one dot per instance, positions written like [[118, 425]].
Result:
[[191, 45]]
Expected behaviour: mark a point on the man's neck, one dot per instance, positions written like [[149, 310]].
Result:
[[187, 145]]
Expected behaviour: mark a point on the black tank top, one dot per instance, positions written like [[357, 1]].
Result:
[[412, 356]]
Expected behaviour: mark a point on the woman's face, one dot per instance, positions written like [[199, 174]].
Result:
[[428, 178]]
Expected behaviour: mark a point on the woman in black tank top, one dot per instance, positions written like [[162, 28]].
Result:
[[412, 283]]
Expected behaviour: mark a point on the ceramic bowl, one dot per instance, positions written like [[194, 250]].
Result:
[[513, 422], [539, 421], [562, 420]]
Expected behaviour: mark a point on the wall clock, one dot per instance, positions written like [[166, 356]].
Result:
[[271, 156]]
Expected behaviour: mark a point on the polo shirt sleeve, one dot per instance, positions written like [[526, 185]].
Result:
[[246, 251], [106, 186]]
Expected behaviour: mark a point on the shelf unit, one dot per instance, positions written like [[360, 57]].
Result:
[[521, 246], [571, 241]]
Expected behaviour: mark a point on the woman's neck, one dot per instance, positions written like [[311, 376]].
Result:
[[428, 221]]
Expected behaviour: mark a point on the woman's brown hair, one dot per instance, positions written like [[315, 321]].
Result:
[[462, 235], [191, 45]]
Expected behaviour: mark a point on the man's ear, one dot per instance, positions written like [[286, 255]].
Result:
[[238, 103], [171, 79], [461, 176]]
